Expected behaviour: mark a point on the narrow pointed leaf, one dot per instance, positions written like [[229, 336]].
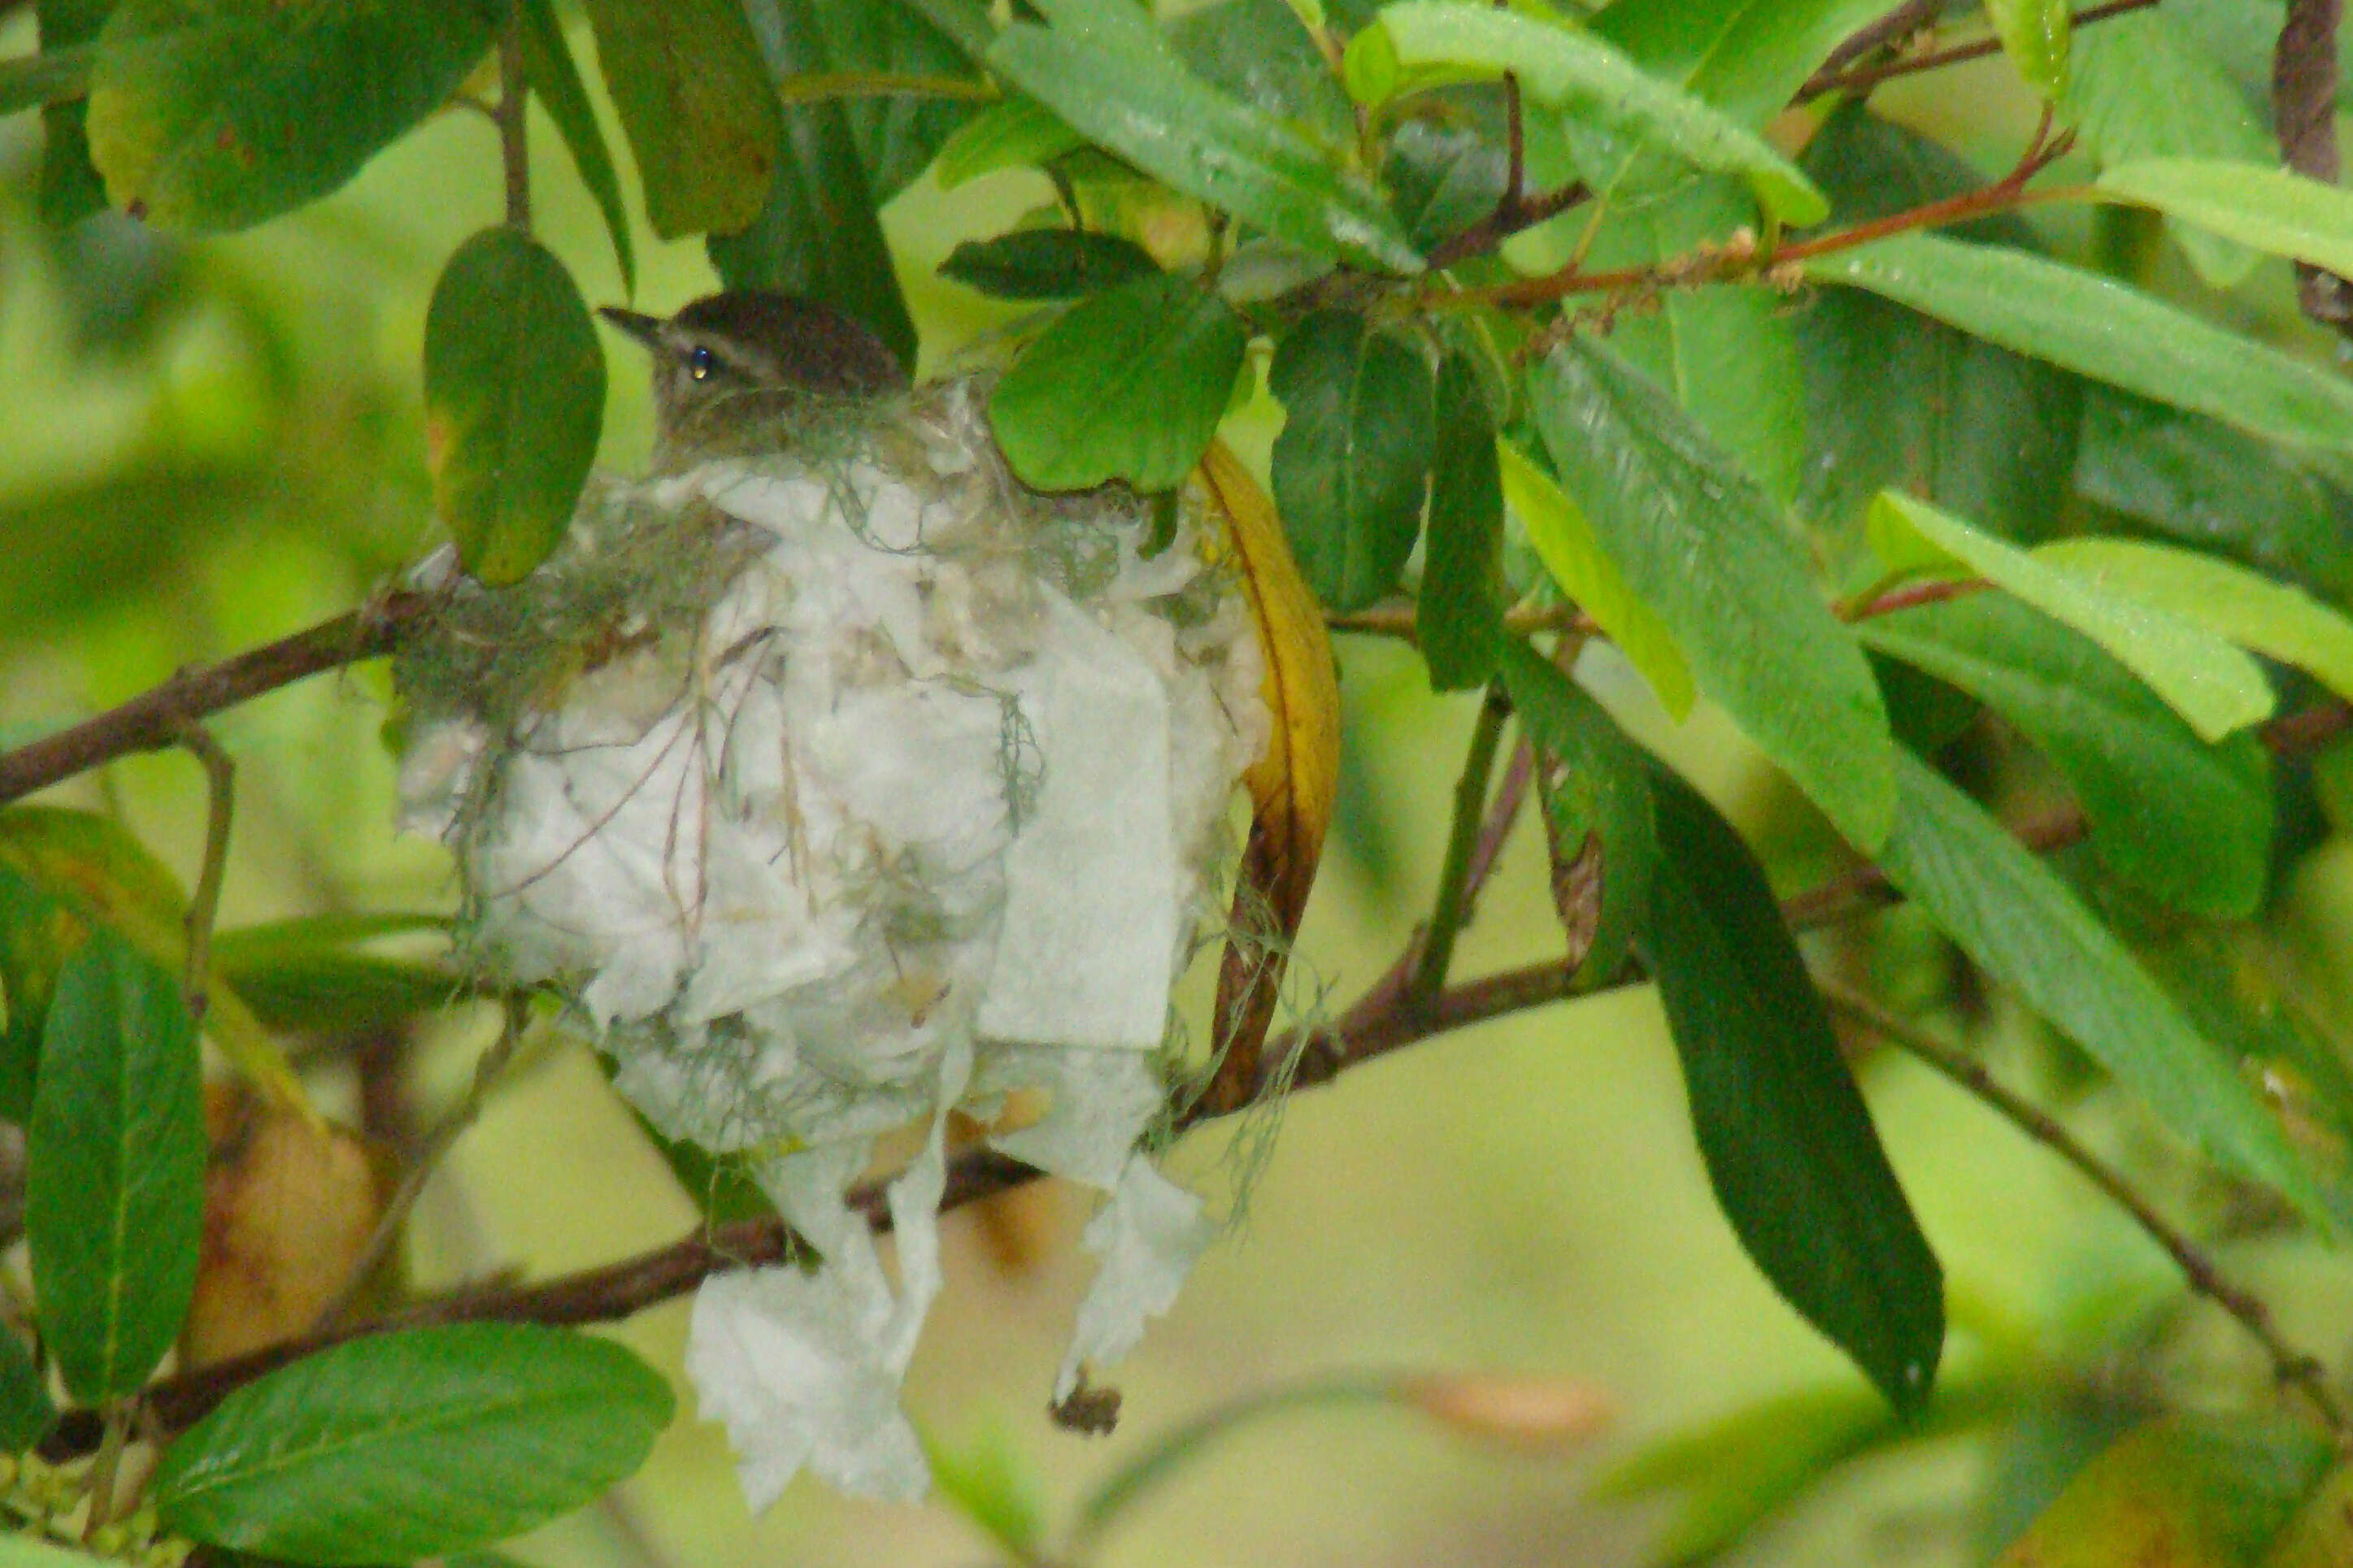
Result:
[[2272, 619], [114, 1168], [1574, 72], [2142, 88], [1352, 465], [547, 65], [514, 401], [413, 1444], [2204, 679], [217, 115], [1791, 1150], [1746, 58], [1565, 542], [1295, 784], [1017, 133], [26, 1413], [2187, 822], [1704, 546], [695, 102], [1600, 826], [1129, 384], [1459, 617], [2276, 211], [1104, 71], [2012, 915], [2104, 331]]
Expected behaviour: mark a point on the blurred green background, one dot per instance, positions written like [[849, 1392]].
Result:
[[203, 447]]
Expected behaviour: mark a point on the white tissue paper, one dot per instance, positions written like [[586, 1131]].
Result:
[[920, 803]]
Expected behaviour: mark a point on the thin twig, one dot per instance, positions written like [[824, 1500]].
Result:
[[1834, 78], [114, 1437], [2291, 1368], [1447, 914], [514, 94], [427, 1159], [203, 909], [154, 720], [2303, 106]]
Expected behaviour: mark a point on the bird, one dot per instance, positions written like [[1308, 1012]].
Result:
[[730, 365]]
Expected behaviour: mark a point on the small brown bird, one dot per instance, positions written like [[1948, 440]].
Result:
[[730, 364]]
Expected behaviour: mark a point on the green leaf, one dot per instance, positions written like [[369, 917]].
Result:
[[1353, 461], [1460, 616], [1111, 76], [2187, 822], [1018, 133], [114, 1168], [316, 973], [1259, 52], [1727, 352], [547, 67], [2205, 679], [2275, 210], [990, 1482], [1128, 385], [1600, 820], [818, 233], [59, 74], [411, 1445], [696, 104], [216, 114], [2182, 1492], [1572, 552], [1897, 400], [2012, 915], [1048, 263], [25, 1411], [515, 400], [1442, 178], [1790, 1151], [2275, 620], [2143, 89], [2034, 34], [71, 186], [1584, 78], [37, 935], [1703, 545], [1746, 58], [2104, 331]]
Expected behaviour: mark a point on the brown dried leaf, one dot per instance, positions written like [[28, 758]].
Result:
[[1292, 786], [289, 1203]]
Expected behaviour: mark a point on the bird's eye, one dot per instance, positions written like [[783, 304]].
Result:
[[700, 362]]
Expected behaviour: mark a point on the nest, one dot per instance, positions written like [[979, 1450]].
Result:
[[842, 781]]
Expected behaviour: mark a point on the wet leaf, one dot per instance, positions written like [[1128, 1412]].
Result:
[[2034, 34], [2205, 679], [1128, 385], [1703, 545]]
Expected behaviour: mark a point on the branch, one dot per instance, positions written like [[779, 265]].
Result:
[[2303, 104], [2291, 1368], [155, 719], [1452, 909], [1379, 1023], [1835, 75], [514, 94]]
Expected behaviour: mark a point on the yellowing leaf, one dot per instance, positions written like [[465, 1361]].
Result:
[[290, 1205], [2179, 1492], [107, 878], [1292, 786], [1565, 542]]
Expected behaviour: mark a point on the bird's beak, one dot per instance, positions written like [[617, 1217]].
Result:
[[645, 329]]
